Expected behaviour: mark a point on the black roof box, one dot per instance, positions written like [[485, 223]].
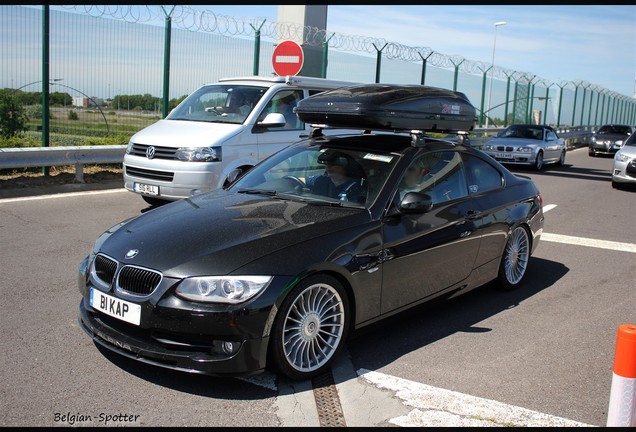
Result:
[[390, 107]]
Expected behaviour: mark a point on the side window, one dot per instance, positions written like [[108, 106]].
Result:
[[481, 176], [551, 136], [284, 102], [438, 174]]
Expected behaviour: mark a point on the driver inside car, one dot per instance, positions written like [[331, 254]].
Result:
[[342, 178]]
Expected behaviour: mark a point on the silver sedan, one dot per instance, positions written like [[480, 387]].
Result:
[[624, 169], [527, 144]]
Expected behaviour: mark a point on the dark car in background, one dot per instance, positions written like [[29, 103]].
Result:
[[324, 237], [527, 144], [609, 138]]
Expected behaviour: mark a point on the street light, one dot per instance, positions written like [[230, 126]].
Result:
[[492, 68]]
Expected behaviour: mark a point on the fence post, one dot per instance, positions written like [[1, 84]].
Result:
[[622, 406]]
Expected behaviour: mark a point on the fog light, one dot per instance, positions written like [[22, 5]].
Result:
[[228, 347]]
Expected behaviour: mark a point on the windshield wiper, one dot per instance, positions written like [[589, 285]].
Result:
[[257, 192]]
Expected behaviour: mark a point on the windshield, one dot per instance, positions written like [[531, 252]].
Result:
[[614, 130], [320, 175], [219, 103], [523, 131]]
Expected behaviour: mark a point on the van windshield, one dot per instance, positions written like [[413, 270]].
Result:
[[219, 103]]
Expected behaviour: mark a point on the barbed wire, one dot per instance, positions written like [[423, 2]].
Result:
[[187, 18]]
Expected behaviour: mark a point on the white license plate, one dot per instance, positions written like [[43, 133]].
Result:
[[504, 155], [125, 311], [146, 189]]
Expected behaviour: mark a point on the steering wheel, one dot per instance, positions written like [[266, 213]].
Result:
[[298, 183]]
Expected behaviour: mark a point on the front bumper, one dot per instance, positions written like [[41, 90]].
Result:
[[206, 358], [513, 157], [210, 339], [624, 172], [604, 148]]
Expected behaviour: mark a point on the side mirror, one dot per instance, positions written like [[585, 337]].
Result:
[[273, 120], [416, 202]]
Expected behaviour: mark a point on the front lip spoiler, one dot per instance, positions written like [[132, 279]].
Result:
[[130, 348]]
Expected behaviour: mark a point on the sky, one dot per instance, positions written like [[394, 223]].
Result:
[[593, 43]]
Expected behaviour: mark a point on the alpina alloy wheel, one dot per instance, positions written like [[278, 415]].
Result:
[[514, 261], [310, 328]]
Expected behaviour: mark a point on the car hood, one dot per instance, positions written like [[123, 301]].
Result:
[[219, 231], [515, 142], [610, 137], [182, 133]]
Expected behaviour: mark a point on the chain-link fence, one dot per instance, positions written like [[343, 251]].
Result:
[[111, 70]]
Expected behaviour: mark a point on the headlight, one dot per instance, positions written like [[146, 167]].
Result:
[[489, 147], [524, 149], [199, 154], [621, 157], [618, 142], [129, 147], [222, 289]]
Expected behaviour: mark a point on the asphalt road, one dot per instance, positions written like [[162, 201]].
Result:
[[547, 347]]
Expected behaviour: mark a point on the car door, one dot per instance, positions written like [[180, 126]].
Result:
[[552, 145], [273, 139], [425, 253]]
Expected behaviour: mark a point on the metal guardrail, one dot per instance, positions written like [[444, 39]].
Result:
[[64, 155], [81, 155]]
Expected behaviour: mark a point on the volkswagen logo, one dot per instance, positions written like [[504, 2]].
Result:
[[132, 253], [150, 152]]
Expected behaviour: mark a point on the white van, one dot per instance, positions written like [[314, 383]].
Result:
[[216, 133]]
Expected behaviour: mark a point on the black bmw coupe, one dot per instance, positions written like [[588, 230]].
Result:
[[322, 238]]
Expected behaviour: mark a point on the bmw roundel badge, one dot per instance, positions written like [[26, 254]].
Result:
[[132, 253]]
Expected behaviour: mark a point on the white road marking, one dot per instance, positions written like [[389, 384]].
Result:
[[548, 207], [581, 241], [62, 195], [440, 407]]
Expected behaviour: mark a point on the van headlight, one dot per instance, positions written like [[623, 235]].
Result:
[[129, 147], [199, 154], [222, 289]]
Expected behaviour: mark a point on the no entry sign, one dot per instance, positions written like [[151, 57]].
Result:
[[287, 58]]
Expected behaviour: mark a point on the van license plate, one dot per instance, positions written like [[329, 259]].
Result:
[[146, 189], [123, 310]]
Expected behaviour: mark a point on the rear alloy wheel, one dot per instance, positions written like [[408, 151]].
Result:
[[514, 261], [310, 328], [538, 163], [562, 159]]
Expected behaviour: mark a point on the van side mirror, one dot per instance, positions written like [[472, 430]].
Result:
[[273, 120]]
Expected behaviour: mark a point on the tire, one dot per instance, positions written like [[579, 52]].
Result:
[[310, 328], [561, 159], [538, 163], [616, 185], [155, 202], [514, 260]]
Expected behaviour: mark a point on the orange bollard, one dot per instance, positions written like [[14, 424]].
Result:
[[622, 406]]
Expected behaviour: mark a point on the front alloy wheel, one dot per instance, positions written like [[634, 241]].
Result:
[[538, 163], [514, 261], [310, 328]]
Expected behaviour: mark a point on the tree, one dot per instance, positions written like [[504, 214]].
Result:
[[13, 119]]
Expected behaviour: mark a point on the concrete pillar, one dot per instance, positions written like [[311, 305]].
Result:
[[306, 16]]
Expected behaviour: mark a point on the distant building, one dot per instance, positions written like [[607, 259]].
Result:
[[84, 102]]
